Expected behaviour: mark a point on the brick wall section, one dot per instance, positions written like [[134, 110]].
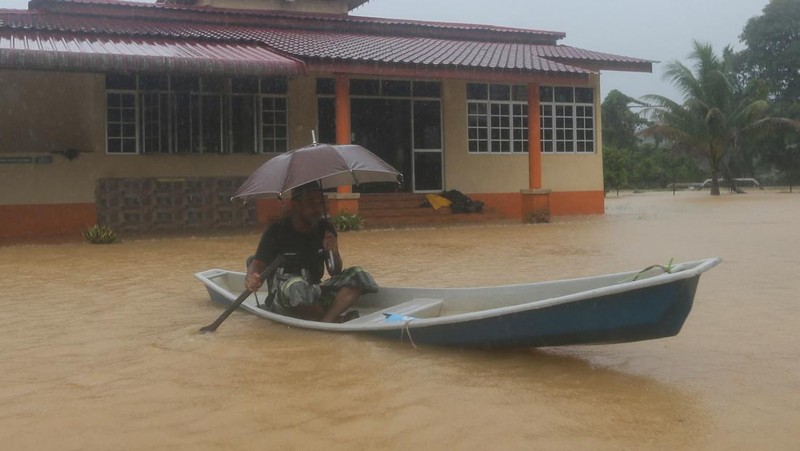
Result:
[[152, 204]]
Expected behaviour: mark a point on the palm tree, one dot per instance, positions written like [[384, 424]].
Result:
[[715, 112]]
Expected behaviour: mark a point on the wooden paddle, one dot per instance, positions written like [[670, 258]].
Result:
[[266, 274]]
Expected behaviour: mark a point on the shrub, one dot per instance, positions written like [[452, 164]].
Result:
[[98, 234], [345, 221]]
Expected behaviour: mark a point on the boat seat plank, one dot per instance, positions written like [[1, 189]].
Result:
[[417, 307]]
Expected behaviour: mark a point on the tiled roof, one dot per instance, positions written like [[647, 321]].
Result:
[[311, 37], [417, 51], [305, 21], [103, 54]]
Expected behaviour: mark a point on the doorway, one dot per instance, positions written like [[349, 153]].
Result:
[[404, 132]]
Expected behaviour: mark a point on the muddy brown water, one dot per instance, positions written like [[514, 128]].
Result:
[[100, 348]]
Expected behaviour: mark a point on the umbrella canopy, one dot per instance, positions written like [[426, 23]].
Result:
[[330, 165]]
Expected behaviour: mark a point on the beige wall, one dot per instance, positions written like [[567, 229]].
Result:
[[45, 111], [319, 6]]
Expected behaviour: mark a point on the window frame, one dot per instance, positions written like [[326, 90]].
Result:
[[563, 123], [184, 109], [498, 123]]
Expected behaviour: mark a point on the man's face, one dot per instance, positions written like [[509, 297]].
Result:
[[308, 207]]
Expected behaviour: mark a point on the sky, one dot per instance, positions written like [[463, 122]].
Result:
[[649, 29]]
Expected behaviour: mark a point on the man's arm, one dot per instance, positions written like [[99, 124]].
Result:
[[265, 253], [253, 279]]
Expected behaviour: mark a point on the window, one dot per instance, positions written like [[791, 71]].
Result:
[[273, 124], [567, 119], [172, 114], [361, 87], [121, 122], [497, 118]]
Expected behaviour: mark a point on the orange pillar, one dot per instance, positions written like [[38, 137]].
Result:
[[534, 138], [342, 93], [535, 200]]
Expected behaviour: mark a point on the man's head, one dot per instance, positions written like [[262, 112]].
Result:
[[307, 203]]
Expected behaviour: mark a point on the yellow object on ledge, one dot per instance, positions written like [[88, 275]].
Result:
[[437, 201]]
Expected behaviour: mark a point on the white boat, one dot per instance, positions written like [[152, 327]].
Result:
[[612, 308]]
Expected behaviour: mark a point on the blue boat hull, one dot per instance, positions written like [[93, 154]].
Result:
[[645, 314]]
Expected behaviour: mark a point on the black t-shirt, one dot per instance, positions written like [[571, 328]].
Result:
[[302, 250]]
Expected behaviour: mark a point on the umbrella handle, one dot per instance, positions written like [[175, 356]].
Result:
[[331, 261]]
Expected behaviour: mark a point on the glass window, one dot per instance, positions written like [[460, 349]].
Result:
[[211, 123], [243, 124], [428, 171], [117, 81], [499, 92], [396, 88], [185, 84], [564, 95], [584, 95], [274, 86], [325, 86], [546, 94], [215, 84], [498, 121], [244, 85], [427, 124], [274, 126], [568, 125], [155, 122], [495, 122], [360, 87], [477, 91], [153, 83], [427, 89], [121, 122], [170, 114], [519, 93]]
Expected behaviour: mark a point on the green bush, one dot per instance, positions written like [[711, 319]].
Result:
[[346, 222], [98, 234]]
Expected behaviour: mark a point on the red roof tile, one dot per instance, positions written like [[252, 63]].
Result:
[[305, 21], [310, 37], [102, 54]]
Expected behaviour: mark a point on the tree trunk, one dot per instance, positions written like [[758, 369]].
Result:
[[714, 183]]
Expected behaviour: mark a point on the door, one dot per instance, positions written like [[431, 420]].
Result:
[[428, 170]]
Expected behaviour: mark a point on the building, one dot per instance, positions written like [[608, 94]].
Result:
[[147, 116]]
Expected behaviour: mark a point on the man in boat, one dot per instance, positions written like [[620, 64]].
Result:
[[309, 244]]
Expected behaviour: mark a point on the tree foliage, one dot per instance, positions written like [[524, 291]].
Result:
[[615, 167], [773, 56], [723, 117], [716, 110], [620, 124], [773, 49]]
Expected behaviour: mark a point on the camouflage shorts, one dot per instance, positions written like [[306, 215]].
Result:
[[295, 291]]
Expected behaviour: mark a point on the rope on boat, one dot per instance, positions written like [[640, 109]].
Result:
[[407, 330], [667, 269]]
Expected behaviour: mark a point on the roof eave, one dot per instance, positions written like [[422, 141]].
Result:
[[620, 66], [325, 66]]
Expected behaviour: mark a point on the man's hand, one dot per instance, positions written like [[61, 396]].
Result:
[[253, 281], [330, 242]]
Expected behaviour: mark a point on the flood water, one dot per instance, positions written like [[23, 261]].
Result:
[[100, 348]]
